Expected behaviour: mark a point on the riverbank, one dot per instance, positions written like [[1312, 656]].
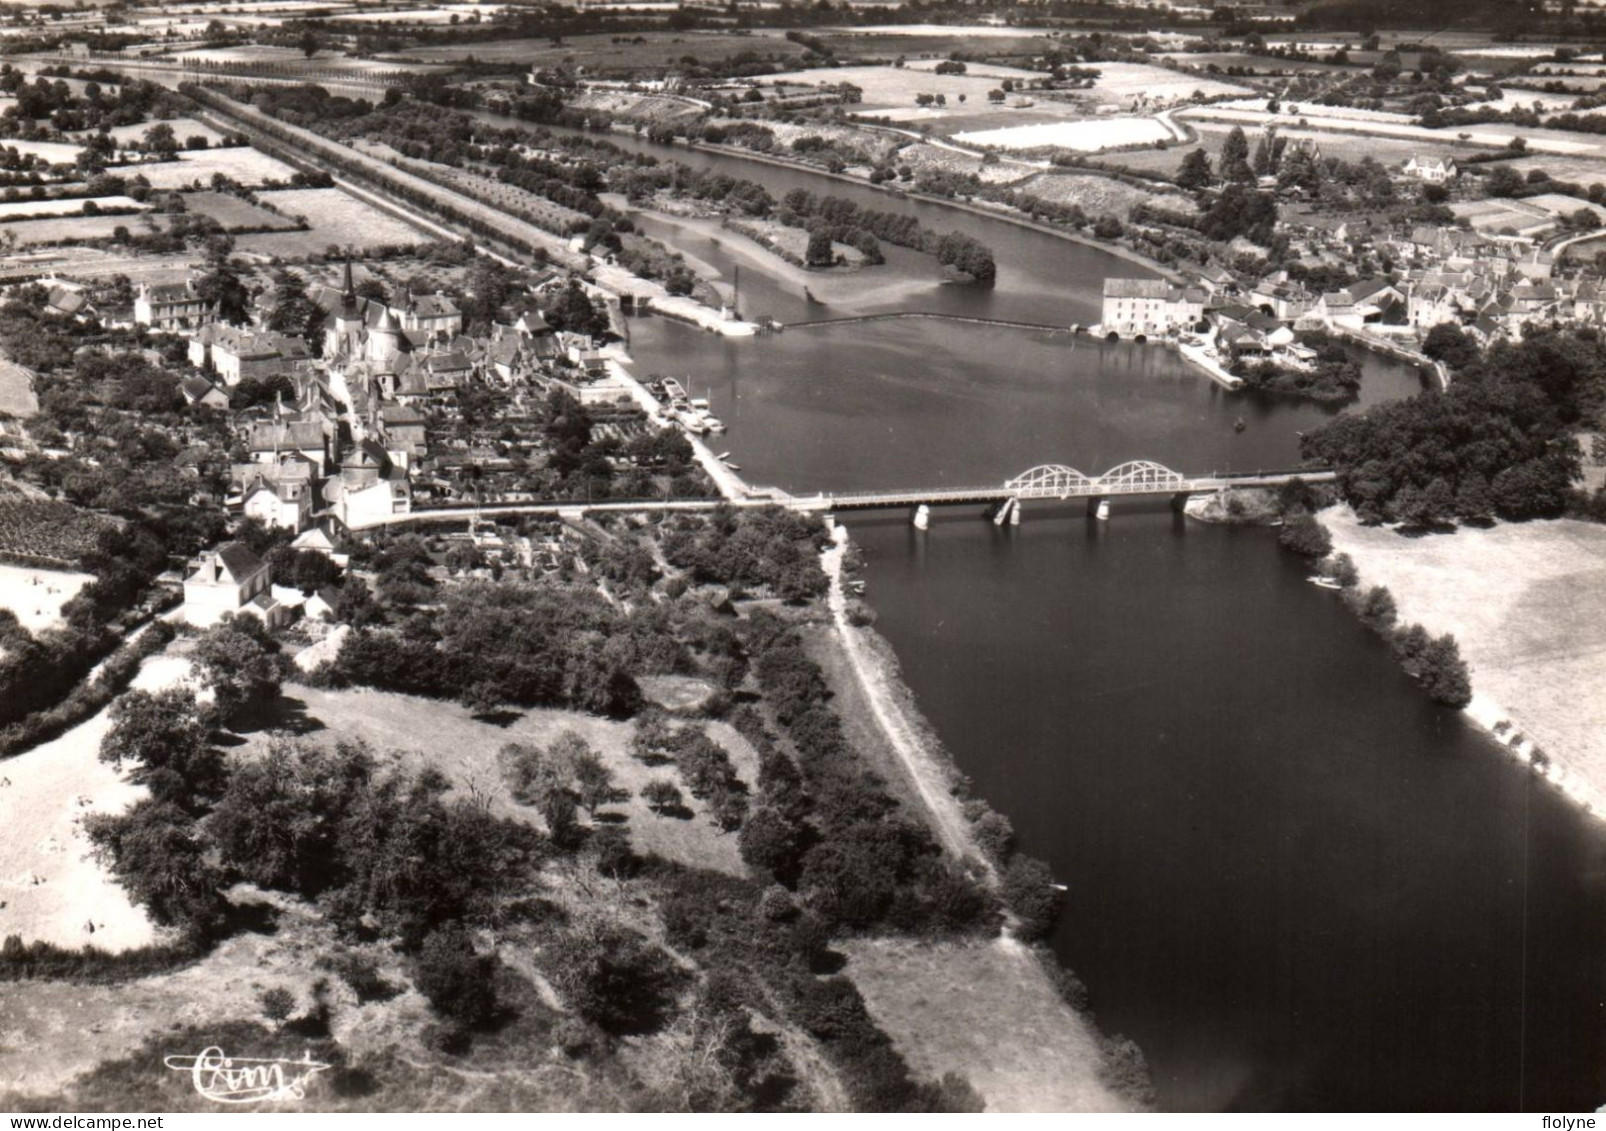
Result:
[[1000, 212], [988, 1009], [1526, 602]]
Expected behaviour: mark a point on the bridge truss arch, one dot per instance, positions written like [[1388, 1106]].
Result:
[[1049, 481], [1142, 476]]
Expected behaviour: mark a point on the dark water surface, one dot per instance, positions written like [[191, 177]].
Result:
[[1294, 881]]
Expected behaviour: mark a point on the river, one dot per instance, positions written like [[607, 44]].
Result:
[[1293, 880]]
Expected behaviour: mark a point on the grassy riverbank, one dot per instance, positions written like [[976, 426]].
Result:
[[989, 1008], [1527, 604]]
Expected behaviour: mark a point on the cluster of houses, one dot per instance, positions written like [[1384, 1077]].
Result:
[[346, 443], [1488, 286]]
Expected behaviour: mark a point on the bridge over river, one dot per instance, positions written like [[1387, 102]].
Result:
[[1058, 483], [1049, 482]]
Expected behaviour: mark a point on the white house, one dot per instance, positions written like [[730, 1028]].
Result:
[[229, 579], [1433, 170], [1149, 306], [171, 306]]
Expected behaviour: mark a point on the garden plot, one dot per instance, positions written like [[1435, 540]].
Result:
[[980, 70], [37, 595], [234, 214], [925, 158], [1085, 136], [1103, 196], [70, 206], [17, 397], [335, 218], [241, 164], [1518, 217]]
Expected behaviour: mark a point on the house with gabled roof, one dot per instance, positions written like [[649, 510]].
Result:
[[229, 581]]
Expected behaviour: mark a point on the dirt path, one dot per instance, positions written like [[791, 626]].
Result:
[[903, 737]]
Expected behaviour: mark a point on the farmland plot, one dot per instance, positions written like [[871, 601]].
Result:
[[69, 206], [1099, 196], [335, 218], [241, 164], [47, 531], [80, 228], [234, 214], [55, 152], [1122, 83], [183, 129]]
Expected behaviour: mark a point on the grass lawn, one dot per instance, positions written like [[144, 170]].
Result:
[[1526, 601], [72, 229], [336, 218], [987, 1011], [465, 748]]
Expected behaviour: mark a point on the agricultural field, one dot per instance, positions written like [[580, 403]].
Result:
[[242, 164], [1504, 216], [55, 152], [17, 399], [875, 144], [36, 596], [894, 88], [69, 206], [183, 129], [78, 228], [52, 531], [1085, 136], [234, 214], [1126, 84], [335, 218], [978, 70], [536, 209]]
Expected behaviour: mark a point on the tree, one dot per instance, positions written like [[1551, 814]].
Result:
[[1302, 534], [1450, 344], [820, 252], [1029, 892], [277, 1004], [1234, 160], [293, 312], [161, 140], [222, 286], [772, 841], [1377, 610], [613, 977], [1262, 164], [309, 43], [458, 981], [593, 781], [242, 665], [157, 854], [662, 795], [1194, 172], [164, 736]]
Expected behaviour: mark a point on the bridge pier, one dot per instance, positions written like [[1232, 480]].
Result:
[[1014, 512], [1179, 501], [922, 517], [1098, 506], [1006, 511]]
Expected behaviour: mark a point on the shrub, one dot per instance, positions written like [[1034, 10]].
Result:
[[1302, 534], [1029, 892], [458, 981]]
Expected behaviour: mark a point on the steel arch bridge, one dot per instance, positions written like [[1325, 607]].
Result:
[[1135, 477], [1058, 481]]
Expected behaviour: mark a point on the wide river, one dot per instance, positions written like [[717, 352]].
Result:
[[1293, 880]]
